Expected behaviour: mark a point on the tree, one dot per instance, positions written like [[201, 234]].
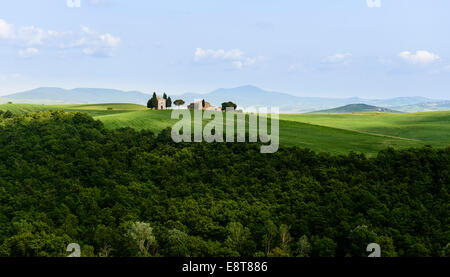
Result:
[[165, 96], [238, 236], [142, 235], [359, 238], [203, 103], [153, 102], [446, 251], [178, 243], [285, 237], [303, 247], [105, 251], [387, 246], [271, 232], [169, 102], [323, 247], [278, 252], [179, 102], [150, 102], [229, 104]]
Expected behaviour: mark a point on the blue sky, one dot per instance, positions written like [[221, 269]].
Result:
[[330, 48]]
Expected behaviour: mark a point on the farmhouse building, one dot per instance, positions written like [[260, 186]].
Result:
[[161, 103], [198, 105]]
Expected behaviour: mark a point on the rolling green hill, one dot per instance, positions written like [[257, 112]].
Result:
[[315, 137], [91, 109], [335, 133], [357, 108], [428, 128]]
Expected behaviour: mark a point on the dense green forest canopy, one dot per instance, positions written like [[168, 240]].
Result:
[[65, 178]]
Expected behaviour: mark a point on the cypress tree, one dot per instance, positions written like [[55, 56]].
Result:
[[154, 101]]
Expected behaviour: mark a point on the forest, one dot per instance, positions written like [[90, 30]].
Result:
[[65, 178]]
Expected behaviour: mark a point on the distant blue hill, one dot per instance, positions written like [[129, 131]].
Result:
[[425, 107], [49, 95], [357, 108], [247, 96]]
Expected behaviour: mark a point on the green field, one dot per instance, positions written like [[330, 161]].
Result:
[[427, 127], [334, 133]]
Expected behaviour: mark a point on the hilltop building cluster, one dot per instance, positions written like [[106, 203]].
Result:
[[203, 105], [163, 103]]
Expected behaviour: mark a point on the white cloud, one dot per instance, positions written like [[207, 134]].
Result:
[[244, 63], [237, 57], [338, 58], [110, 40], [373, 3], [97, 44], [32, 35], [94, 44], [73, 3], [28, 52], [87, 41], [234, 54], [87, 30], [28, 35], [420, 57], [6, 30]]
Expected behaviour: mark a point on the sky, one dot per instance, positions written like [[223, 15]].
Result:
[[327, 48]]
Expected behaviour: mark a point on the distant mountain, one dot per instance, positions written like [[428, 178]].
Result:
[[250, 96], [247, 96], [425, 107], [48, 95], [397, 101], [244, 97], [357, 108]]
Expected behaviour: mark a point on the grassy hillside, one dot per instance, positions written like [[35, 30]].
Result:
[[153, 120], [428, 128], [23, 108], [318, 138], [91, 109], [337, 141], [334, 133]]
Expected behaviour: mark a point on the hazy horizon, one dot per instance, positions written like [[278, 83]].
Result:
[[227, 88]]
